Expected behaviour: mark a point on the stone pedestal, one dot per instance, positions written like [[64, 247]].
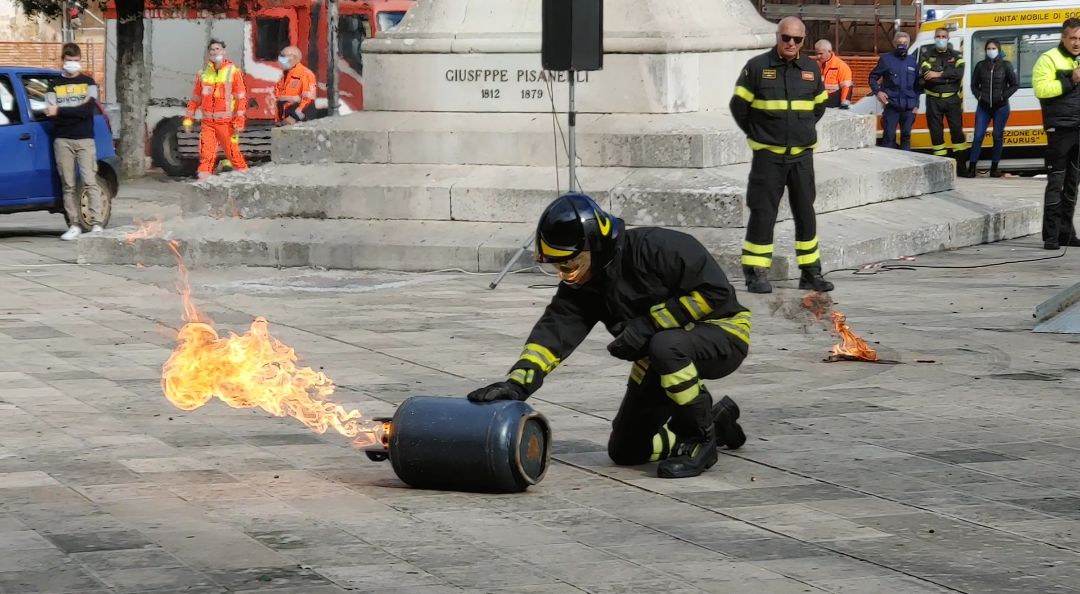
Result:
[[484, 56], [458, 151]]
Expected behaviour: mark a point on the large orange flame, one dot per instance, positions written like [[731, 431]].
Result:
[[851, 347], [253, 370]]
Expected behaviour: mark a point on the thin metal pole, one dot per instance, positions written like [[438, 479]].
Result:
[[332, 75], [571, 118]]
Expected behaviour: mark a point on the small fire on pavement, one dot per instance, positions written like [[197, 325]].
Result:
[[253, 370], [852, 348]]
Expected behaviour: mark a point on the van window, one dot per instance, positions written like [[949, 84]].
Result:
[[36, 88], [353, 29], [271, 36], [1022, 47], [9, 107]]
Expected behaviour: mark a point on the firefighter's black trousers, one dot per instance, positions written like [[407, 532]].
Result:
[[665, 397], [1062, 176], [938, 112], [769, 175]]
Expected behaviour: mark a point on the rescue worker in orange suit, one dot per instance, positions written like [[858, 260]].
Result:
[[942, 72], [674, 315], [779, 98], [836, 74], [295, 92], [220, 94]]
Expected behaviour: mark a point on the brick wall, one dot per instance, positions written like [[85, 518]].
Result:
[[860, 74], [36, 54]]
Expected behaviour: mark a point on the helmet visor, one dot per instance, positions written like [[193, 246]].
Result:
[[575, 271]]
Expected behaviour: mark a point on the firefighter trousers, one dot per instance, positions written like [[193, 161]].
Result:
[[665, 398], [940, 111], [770, 174], [214, 132], [1062, 177]]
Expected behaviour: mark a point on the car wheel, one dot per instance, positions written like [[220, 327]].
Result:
[[108, 189]]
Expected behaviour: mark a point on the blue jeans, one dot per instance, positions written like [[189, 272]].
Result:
[[1000, 116]]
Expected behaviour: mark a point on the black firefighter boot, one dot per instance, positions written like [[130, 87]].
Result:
[[690, 457], [757, 279], [813, 280], [725, 421]]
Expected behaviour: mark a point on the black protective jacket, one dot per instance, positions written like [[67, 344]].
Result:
[[993, 82], [665, 275], [778, 103], [950, 63]]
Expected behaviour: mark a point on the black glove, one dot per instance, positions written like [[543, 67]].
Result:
[[845, 107], [498, 391], [632, 340]]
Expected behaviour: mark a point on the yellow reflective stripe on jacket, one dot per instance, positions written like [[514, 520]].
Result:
[[737, 325], [940, 95], [696, 305], [744, 93], [540, 355], [224, 77], [780, 150], [637, 372], [663, 318]]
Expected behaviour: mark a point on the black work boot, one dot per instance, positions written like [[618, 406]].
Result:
[[814, 281], [690, 457], [757, 279], [968, 170], [1069, 241], [995, 172], [728, 432]]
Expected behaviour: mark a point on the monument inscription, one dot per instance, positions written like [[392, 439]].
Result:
[[491, 83]]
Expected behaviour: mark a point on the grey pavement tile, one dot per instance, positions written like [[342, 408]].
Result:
[[155, 580], [359, 553], [766, 549], [1061, 507], [1002, 583], [34, 560], [281, 540], [117, 540], [32, 331], [969, 456], [883, 585], [219, 549], [255, 578], [107, 561], [280, 439], [664, 586], [771, 495], [824, 567], [392, 575], [70, 579]]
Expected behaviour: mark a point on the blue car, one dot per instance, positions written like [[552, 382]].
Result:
[[29, 180]]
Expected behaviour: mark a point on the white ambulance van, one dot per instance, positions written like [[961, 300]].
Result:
[[1025, 30]]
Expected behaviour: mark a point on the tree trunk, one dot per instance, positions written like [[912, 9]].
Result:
[[131, 86]]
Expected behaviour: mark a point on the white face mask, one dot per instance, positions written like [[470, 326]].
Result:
[[72, 67], [217, 59]]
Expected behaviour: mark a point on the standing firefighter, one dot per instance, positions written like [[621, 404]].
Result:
[[675, 316], [220, 94], [778, 100], [1056, 80], [295, 92], [943, 72]]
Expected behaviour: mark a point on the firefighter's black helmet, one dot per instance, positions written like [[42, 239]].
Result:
[[572, 224]]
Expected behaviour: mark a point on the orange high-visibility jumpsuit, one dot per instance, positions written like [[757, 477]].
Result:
[[295, 94], [221, 96], [838, 84]]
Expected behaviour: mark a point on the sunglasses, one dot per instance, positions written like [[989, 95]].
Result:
[[792, 38]]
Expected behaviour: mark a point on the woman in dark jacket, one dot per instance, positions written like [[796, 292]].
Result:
[[992, 83]]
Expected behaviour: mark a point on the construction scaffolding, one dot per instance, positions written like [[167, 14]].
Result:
[[853, 26]]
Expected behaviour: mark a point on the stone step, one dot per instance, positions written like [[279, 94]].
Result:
[[713, 197], [979, 213], [689, 140]]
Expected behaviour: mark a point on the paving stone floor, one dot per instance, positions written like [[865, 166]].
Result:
[[954, 470]]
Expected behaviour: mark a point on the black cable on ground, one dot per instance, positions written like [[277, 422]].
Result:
[[1064, 251]]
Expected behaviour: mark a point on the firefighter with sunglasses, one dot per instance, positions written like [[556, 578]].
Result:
[[779, 99], [673, 314]]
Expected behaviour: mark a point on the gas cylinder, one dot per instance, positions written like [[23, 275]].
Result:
[[453, 444]]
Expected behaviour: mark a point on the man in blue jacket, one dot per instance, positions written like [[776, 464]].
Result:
[[895, 81]]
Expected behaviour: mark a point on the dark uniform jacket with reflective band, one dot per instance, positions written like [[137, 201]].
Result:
[[666, 275], [778, 103], [1059, 96], [951, 65]]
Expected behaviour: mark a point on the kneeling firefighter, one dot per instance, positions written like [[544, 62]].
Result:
[[674, 314]]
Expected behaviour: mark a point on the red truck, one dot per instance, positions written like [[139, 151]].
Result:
[[175, 44]]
